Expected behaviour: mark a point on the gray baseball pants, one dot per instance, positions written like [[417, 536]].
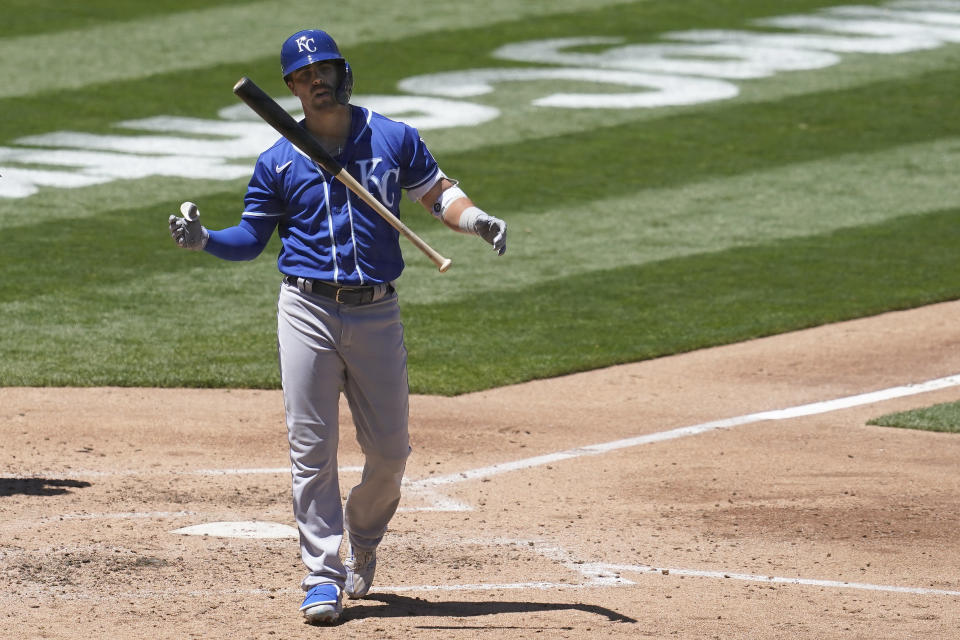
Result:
[[326, 347]]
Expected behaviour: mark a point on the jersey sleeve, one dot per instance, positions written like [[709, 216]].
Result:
[[263, 198], [245, 241], [419, 170], [263, 208]]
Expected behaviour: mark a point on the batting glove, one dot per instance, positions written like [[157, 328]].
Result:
[[187, 234], [493, 230]]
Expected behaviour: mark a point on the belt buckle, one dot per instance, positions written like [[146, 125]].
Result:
[[337, 296]]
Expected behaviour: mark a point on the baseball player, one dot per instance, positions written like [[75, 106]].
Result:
[[338, 319]]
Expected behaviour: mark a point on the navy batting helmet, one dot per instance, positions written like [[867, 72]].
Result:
[[313, 45]]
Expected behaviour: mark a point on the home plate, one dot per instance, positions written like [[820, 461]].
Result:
[[240, 530]]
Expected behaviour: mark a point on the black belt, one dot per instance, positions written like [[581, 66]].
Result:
[[343, 295]]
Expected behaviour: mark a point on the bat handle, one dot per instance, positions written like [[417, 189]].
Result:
[[189, 211]]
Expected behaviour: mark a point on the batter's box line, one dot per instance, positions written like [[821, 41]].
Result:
[[607, 574], [81, 473], [592, 575], [431, 486], [813, 582], [437, 501]]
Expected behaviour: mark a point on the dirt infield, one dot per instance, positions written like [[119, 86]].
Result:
[[734, 492]]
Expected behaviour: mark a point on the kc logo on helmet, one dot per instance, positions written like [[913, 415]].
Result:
[[305, 43]]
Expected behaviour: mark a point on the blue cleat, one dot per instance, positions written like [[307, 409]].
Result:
[[323, 604]]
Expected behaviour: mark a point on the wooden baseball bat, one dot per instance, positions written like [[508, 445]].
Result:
[[274, 115]]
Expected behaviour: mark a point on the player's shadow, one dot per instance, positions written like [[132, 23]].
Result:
[[38, 486], [395, 606]]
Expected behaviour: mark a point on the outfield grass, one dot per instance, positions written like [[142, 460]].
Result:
[[634, 313], [813, 197], [940, 417]]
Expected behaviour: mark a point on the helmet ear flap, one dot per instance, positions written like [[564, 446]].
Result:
[[345, 88]]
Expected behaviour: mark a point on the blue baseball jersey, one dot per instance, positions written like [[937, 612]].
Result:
[[326, 231]]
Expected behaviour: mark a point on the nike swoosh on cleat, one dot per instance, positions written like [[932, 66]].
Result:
[[281, 168]]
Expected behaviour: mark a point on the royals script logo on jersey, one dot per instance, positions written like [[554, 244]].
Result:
[[385, 185]]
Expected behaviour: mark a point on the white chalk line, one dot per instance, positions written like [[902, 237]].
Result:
[[605, 574], [8, 523], [75, 474], [120, 515], [722, 575], [814, 408], [592, 575], [608, 573], [812, 582], [598, 574], [504, 586], [60, 594], [444, 503], [427, 487]]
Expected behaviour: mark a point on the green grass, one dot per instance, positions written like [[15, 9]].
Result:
[[105, 42], [815, 198], [211, 323], [943, 418], [26, 17], [679, 305]]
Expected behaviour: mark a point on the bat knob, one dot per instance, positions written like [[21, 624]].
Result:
[[240, 83], [445, 264], [189, 211]]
